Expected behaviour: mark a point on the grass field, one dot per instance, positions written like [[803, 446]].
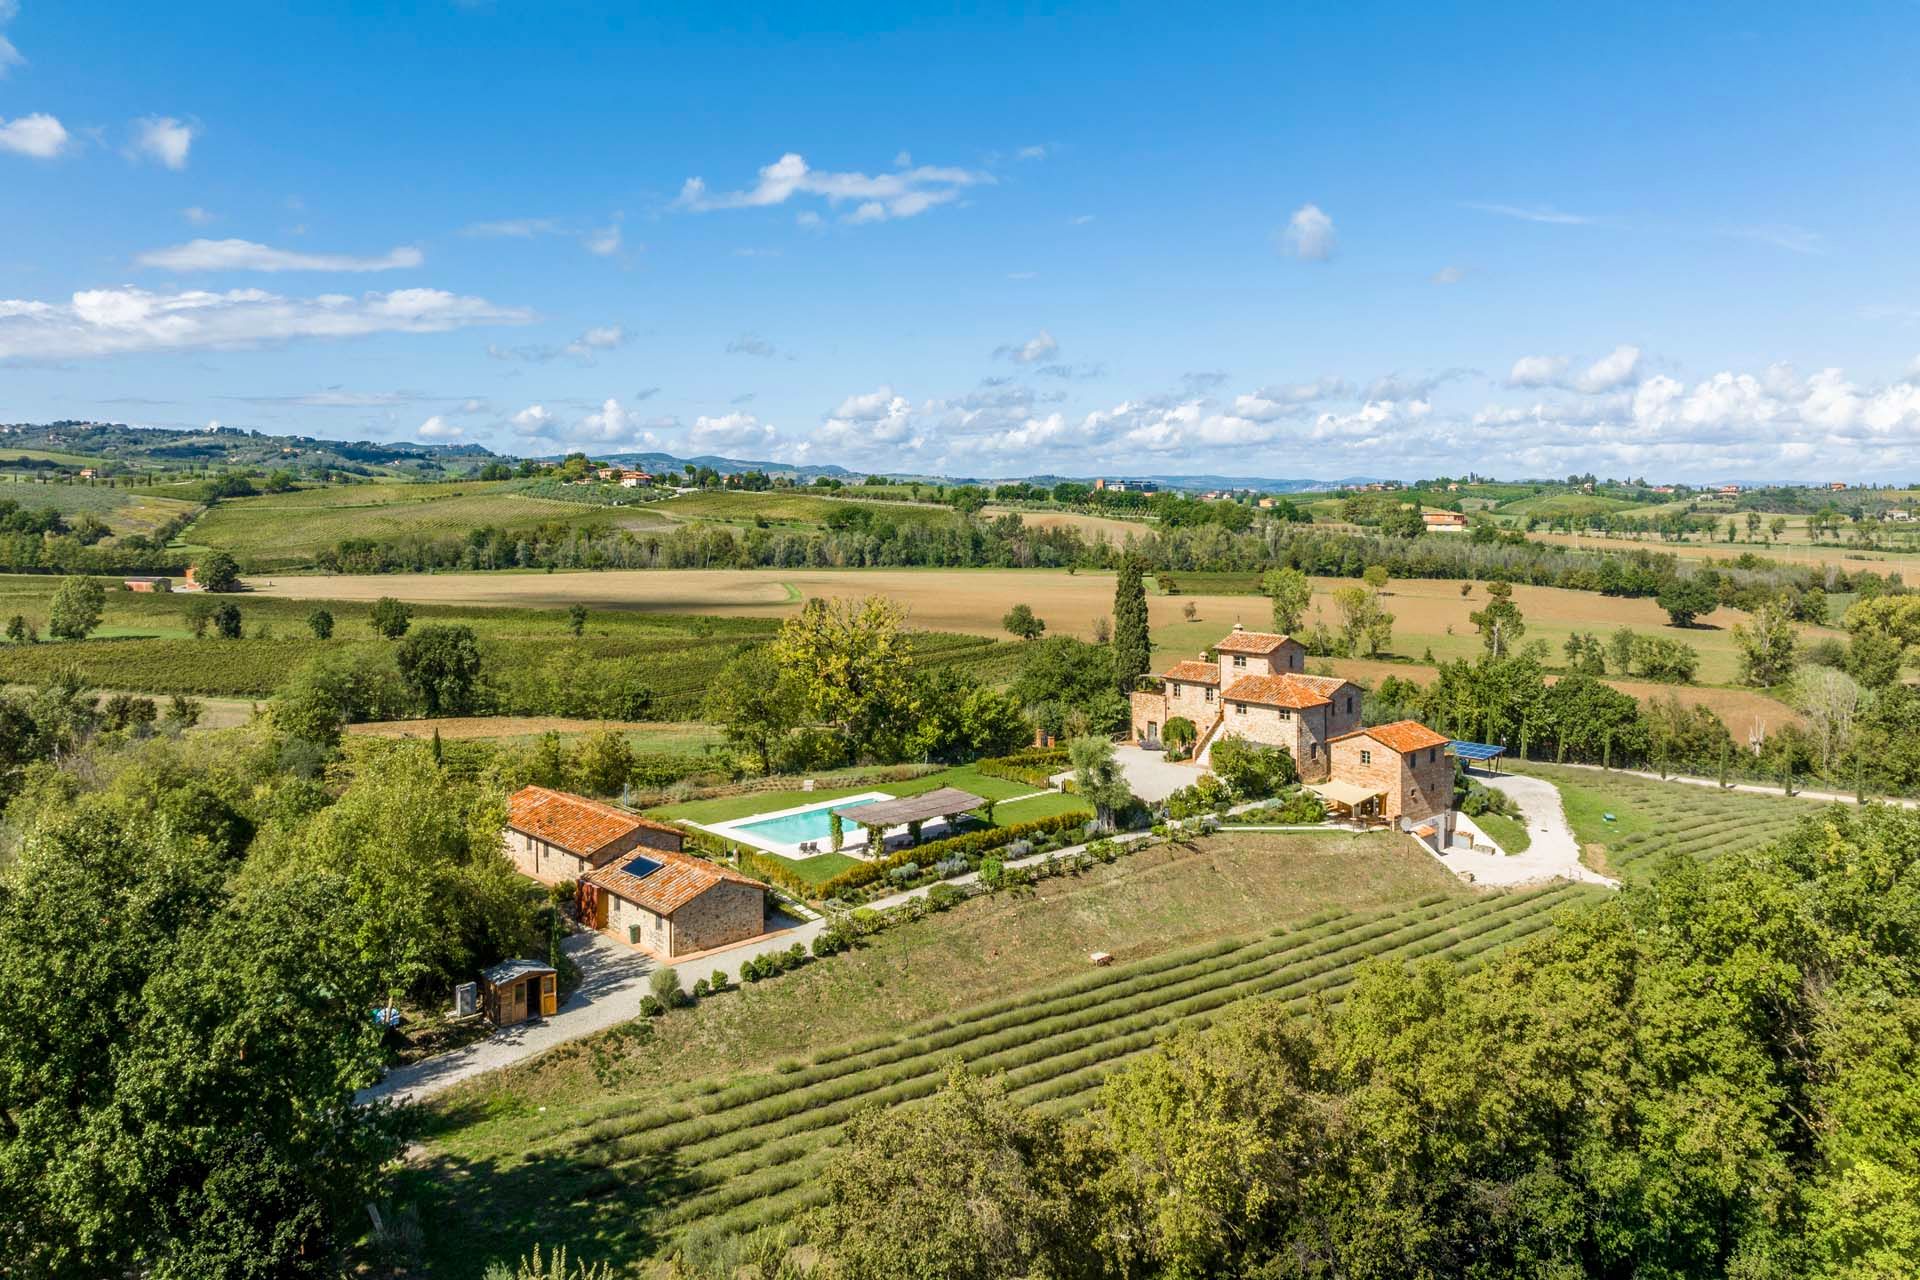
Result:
[[621, 1164], [1509, 833], [1792, 551], [286, 530], [1652, 819], [122, 510]]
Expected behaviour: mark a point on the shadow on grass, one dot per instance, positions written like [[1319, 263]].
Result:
[[475, 1211]]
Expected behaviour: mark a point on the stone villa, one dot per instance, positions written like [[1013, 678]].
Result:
[[1255, 688], [633, 881]]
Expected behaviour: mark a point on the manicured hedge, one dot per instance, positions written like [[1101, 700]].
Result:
[[1035, 766], [969, 846]]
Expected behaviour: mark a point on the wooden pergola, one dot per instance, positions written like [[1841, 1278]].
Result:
[[879, 815]]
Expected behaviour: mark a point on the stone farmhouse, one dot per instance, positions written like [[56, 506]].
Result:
[[633, 881], [1256, 689]]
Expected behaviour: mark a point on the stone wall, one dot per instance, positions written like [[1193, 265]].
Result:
[[1149, 719], [1416, 787], [727, 913]]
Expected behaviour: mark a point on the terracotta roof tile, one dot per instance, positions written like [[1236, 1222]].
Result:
[[576, 824], [1194, 672], [670, 880], [1276, 691], [1403, 736], [1251, 642]]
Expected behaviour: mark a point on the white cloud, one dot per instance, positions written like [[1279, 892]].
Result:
[[245, 255], [605, 241], [512, 228], [1269, 403], [438, 428], [1031, 153], [38, 135], [904, 193], [600, 338], [1615, 369], [733, 431], [1618, 368], [1538, 371], [196, 215], [1309, 235], [1535, 213], [100, 322], [163, 140], [9, 56], [1449, 275], [1082, 220], [1035, 349], [875, 418], [534, 420], [610, 422]]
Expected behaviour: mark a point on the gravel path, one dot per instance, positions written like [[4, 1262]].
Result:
[[1554, 853]]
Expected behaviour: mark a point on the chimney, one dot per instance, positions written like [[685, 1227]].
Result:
[[1203, 655], [1238, 627]]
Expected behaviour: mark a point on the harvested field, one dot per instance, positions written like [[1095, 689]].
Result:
[[1738, 708], [644, 735], [1791, 553], [1087, 526], [967, 600]]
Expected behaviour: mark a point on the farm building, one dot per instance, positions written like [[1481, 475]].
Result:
[[1444, 521], [518, 990], [1399, 771], [555, 835], [670, 905]]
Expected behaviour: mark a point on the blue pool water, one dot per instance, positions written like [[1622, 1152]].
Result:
[[796, 828]]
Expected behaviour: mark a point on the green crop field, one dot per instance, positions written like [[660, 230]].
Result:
[[1652, 819], [1548, 506], [627, 1178], [286, 530], [785, 507], [123, 510], [143, 644]]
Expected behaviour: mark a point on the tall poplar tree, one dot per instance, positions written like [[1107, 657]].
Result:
[[1132, 651]]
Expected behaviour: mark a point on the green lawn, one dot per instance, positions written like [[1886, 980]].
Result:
[[822, 867], [1509, 833], [965, 777]]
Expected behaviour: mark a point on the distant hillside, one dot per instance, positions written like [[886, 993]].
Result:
[[165, 449]]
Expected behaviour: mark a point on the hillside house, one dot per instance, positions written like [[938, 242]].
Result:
[[1403, 771], [555, 835], [1257, 691], [634, 883], [1444, 521]]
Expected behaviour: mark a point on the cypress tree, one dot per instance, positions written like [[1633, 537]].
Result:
[[1132, 651]]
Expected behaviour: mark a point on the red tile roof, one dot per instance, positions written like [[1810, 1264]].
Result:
[[1251, 642], [1277, 691], [674, 881], [1194, 672], [576, 824], [1403, 736]]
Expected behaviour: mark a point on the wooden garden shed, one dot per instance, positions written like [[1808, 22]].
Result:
[[516, 991]]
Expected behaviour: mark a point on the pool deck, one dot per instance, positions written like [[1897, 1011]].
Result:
[[735, 829]]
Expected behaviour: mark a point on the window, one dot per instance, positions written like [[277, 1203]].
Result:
[[1432, 753], [1349, 704], [1313, 751], [1209, 693], [1296, 660], [1239, 708], [1285, 714], [1173, 690], [1239, 659], [1366, 757]]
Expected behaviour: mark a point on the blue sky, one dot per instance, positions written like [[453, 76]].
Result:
[[1327, 241]]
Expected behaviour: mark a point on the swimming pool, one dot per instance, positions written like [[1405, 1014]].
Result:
[[808, 824]]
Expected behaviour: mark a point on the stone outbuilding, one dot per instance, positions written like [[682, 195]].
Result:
[[1298, 713], [633, 880], [1406, 766], [556, 835]]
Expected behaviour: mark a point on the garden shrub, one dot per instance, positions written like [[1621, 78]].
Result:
[[1033, 767], [650, 1006]]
